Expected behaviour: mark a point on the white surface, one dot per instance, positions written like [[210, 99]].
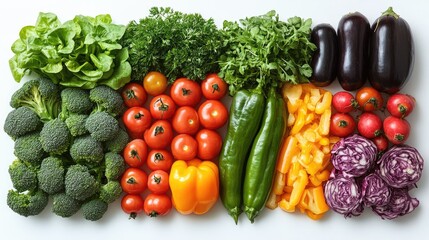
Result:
[[217, 224]]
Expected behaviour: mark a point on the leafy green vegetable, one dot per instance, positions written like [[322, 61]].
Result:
[[83, 52], [174, 43], [263, 51]]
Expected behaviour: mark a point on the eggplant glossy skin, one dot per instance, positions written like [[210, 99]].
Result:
[[325, 58], [391, 54], [353, 42]]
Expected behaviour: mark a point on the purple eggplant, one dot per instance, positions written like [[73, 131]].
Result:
[[353, 42], [325, 58], [391, 53]]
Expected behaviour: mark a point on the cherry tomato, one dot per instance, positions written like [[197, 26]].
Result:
[[344, 102], [209, 144], [185, 120], [369, 99], [396, 129], [381, 142], [134, 95], [214, 87], [342, 125], [157, 205], [136, 120], [158, 182], [184, 147], [212, 114], [162, 107], [155, 83], [186, 92], [135, 153], [159, 159], [132, 204], [159, 134], [400, 105], [134, 180], [370, 125]]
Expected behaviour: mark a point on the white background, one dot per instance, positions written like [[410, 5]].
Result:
[[217, 224]]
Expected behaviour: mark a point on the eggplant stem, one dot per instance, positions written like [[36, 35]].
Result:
[[387, 13]]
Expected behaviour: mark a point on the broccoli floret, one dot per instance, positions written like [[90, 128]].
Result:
[[55, 137], [29, 148], [65, 206], [75, 100], [51, 175], [76, 124], [118, 143], [110, 191], [79, 183], [102, 126], [27, 204], [86, 150], [94, 209], [115, 165], [24, 177], [107, 99], [41, 95], [21, 121]]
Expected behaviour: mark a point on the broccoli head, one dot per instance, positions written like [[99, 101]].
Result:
[[75, 100], [115, 165], [41, 95], [102, 126], [94, 209], [110, 191], [65, 206], [79, 183], [55, 137], [23, 177], [118, 143], [51, 175], [29, 148], [21, 121], [86, 150], [107, 99], [76, 124], [27, 204]]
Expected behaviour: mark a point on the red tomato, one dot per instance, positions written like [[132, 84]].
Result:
[[369, 99], [134, 95], [155, 83], [135, 153], [214, 87], [132, 204], [396, 129], [344, 102], [400, 105], [134, 180], [158, 182], [159, 159], [370, 125], [159, 134], [157, 205], [136, 120], [342, 125], [185, 92], [184, 147], [162, 107], [185, 120], [212, 114], [209, 144], [381, 142]]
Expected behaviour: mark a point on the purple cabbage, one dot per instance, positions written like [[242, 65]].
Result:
[[353, 155], [343, 196], [375, 191], [401, 166], [400, 203]]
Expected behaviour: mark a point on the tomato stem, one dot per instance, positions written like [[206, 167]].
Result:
[[159, 130], [159, 157], [130, 94], [215, 88], [135, 154], [186, 92], [153, 213]]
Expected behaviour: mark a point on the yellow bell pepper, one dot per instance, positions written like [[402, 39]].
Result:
[[194, 186]]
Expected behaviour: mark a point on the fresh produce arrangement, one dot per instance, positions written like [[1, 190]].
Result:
[[173, 113]]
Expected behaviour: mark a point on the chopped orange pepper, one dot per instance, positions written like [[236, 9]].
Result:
[[296, 194], [288, 150]]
